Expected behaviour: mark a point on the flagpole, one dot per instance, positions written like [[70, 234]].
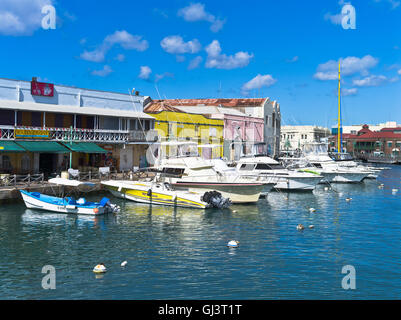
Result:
[[339, 136]]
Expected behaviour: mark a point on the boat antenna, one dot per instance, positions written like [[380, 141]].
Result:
[[339, 135]]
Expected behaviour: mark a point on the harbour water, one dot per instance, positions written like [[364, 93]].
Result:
[[182, 253]]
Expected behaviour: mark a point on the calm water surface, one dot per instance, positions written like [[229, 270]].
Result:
[[182, 253]]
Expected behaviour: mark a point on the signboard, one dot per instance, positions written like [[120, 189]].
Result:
[[31, 134], [42, 89]]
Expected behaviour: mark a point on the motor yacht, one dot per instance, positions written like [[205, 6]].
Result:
[[182, 167]]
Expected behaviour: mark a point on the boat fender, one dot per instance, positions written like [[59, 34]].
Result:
[[149, 193]]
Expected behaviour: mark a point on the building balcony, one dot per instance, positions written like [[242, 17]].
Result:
[[139, 135], [67, 134]]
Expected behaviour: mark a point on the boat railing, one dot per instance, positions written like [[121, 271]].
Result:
[[21, 180], [122, 175]]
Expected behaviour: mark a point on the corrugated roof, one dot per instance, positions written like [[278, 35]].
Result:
[[156, 106], [210, 110], [243, 102]]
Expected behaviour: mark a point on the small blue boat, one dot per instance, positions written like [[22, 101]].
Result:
[[37, 200]]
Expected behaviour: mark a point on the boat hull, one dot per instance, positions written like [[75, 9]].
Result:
[[298, 183], [237, 193], [141, 194], [343, 177]]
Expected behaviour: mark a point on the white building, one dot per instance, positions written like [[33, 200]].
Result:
[[293, 137], [42, 117]]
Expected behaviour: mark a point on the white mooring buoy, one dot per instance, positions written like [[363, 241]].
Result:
[[124, 263], [300, 227], [312, 210], [100, 268], [233, 244]]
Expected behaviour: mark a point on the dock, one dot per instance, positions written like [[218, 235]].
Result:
[[11, 184]]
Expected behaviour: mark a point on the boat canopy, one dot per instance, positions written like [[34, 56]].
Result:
[[71, 183], [43, 146], [85, 147], [10, 146]]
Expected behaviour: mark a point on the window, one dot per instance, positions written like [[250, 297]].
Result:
[[262, 166], [247, 166], [389, 144]]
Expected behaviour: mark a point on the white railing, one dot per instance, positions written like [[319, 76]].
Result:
[[89, 135]]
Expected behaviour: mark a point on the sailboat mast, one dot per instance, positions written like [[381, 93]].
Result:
[[339, 136]]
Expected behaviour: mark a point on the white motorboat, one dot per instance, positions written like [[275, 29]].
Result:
[[63, 204], [317, 158], [222, 166], [347, 161], [286, 179], [182, 167], [161, 193]]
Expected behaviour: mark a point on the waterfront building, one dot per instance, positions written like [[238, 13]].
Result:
[[294, 137], [41, 123], [353, 129], [174, 124], [244, 121], [386, 141]]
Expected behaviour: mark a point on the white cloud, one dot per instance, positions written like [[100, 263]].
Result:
[[120, 57], [123, 38], [195, 62], [176, 45], [258, 82], [22, 17], [103, 72], [158, 77], [221, 61], [373, 81], [333, 18], [145, 72], [96, 55], [394, 3], [349, 66], [399, 71], [127, 41], [196, 12], [349, 92]]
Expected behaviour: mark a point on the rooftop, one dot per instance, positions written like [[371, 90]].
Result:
[[243, 102]]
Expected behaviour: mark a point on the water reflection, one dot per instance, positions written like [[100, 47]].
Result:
[[180, 253]]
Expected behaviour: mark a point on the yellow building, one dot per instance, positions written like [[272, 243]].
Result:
[[173, 124]]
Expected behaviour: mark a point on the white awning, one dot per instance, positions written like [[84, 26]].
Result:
[[47, 107]]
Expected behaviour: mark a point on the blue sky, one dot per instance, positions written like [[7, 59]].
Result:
[[284, 50]]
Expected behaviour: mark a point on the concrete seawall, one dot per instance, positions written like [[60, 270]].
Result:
[[10, 194]]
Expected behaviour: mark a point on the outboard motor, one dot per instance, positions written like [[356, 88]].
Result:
[[105, 202], [216, 200]]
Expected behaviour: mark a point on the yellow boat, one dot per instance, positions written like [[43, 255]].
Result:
[[162, 194]]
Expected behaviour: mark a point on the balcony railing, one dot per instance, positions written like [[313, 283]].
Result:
[[84, 135], [139, 135]]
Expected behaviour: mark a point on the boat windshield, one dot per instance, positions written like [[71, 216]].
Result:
[[265, 166], [341, 157], [315, 148], [178, 150]]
